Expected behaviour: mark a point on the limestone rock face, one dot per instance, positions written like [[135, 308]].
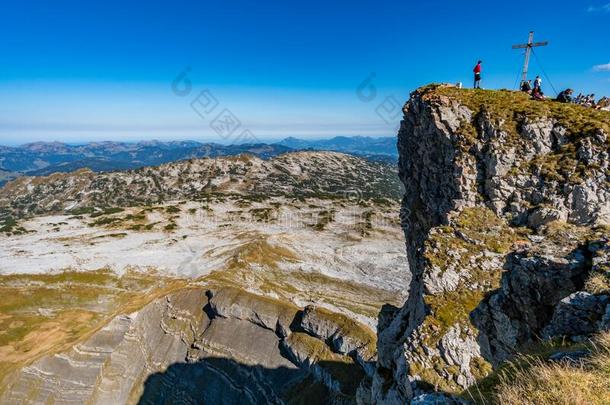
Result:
[[344, 335], [117, 359], [530, 290], [458, 351], [577, 314], [223, 345], [503, 200], [234, 303]]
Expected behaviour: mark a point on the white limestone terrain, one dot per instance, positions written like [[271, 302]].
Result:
[[207, 240], [116, 287]]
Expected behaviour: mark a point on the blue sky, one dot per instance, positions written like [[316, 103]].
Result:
[[76, 72]]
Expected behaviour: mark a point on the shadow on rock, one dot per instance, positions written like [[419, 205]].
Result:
[[225, 381]]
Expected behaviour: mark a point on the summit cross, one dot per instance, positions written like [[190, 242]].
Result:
[[528, 50]]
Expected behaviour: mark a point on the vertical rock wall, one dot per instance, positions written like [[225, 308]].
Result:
[[503, 198]]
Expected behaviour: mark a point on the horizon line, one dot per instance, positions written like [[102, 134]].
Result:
[[261, 140]]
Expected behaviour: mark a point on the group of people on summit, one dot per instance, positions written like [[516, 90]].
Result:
[[535, 90], [587, 100]]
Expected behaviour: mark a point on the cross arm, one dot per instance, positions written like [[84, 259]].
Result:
[[523, 46]]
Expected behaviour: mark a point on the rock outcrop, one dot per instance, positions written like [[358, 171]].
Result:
[[344, 335], [580, 313], [112, 365], [507, 204], [221, 345]]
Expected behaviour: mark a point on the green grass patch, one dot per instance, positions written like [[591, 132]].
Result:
[[172, 209]]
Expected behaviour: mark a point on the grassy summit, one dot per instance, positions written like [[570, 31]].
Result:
[[510, 107], [510, 110]]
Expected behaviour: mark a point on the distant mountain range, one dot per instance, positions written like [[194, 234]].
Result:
[[44, 158], [372, 148]]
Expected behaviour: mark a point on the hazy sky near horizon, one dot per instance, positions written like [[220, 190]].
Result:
[[75, 71]]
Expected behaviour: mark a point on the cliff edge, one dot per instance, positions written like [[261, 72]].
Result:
[[506, 216]]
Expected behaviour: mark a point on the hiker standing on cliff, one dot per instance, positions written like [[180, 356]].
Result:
[[477, 75]]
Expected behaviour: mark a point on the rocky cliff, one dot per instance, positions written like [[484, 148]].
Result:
[[206, 346], [506, 216]]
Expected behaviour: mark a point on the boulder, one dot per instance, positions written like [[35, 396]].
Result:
[[344, 335], [543, 216], [275, 315], [577, 314], [437, 398]]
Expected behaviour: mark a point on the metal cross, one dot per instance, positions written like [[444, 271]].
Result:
[[528, 50]]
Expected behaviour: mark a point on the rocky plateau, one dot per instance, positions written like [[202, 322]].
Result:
[[288, 280]]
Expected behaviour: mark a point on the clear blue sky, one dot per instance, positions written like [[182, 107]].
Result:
[[73, 71]]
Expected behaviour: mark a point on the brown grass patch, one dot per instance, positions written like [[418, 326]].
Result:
[[533, 380], [47, 313]]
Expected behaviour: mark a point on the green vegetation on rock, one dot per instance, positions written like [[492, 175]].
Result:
[[463, 244], [342, 369], [350, 328]]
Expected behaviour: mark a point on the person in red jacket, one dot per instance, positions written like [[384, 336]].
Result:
[[477, 75]]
